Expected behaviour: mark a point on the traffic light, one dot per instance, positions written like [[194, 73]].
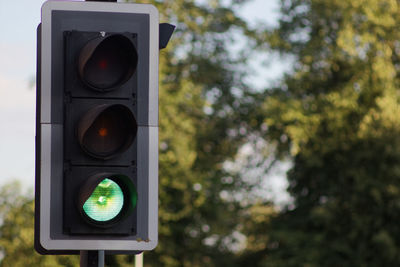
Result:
[[97, 127]]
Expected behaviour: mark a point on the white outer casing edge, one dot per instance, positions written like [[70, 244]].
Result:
[[46, 127]]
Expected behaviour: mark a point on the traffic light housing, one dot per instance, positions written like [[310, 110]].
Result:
[[97, 127]]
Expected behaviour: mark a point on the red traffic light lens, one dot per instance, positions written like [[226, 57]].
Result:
[[105, 63], [107, 130]]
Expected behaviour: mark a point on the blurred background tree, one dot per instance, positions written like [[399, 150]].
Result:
[[16, 232], [336, 116]]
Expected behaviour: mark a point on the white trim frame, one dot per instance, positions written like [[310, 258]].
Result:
[[46, 128]]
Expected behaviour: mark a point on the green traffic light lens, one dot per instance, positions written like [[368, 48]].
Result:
[[106, 201]]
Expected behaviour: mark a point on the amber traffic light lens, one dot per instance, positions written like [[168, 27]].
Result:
[[105, 63], [107, 130]]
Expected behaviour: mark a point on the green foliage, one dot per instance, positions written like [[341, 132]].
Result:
[[16, 232], [336, 116]]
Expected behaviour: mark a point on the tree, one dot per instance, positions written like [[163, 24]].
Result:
[[16, 232], [335, 116]]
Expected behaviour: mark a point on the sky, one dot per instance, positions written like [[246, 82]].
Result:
[[18, 22]]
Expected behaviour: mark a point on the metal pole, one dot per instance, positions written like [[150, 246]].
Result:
[[92, 258], [139, 260]]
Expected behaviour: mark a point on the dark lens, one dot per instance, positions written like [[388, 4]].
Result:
[[106, 63], [107, 131]]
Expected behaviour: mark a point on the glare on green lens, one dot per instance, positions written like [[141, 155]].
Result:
[[106, 201]]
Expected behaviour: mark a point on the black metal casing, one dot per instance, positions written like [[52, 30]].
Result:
[[62, 166]]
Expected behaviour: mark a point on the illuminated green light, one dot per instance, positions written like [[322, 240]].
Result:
[[106, 201]]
